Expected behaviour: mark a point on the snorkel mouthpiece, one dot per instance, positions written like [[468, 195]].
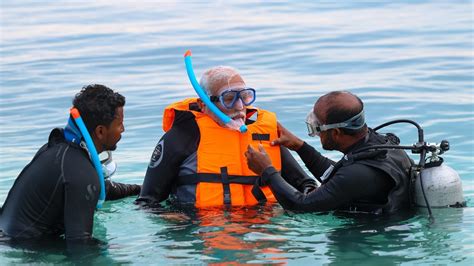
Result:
[[93, 153], [207, 101]]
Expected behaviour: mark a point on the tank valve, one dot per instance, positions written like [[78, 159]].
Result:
[[444, 146]]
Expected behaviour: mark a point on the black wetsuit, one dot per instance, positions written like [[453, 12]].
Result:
[[179, 144], [56, 193], [116, 190], [377, 183]]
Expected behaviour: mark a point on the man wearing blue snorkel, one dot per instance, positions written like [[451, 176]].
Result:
[[199, 160], [57, 192], [370, 181]]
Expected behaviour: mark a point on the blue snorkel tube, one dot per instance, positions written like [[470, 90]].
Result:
[[205, 98], [93, 153]]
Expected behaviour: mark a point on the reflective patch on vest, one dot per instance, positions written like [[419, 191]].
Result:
[[264, 137], [327, 173], [157, 155]]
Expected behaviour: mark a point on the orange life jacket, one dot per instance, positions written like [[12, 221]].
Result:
[[223, 177]]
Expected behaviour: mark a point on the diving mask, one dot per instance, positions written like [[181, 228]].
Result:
[[315, 127], [109, 167], [230, 96]]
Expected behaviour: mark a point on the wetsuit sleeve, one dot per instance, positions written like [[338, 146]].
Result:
[[81, 192], [316, 163], [172, 149], [349, 184], [115, 190], [292, 172]]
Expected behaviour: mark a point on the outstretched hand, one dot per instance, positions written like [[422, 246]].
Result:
[[287, 139], [257, 161]]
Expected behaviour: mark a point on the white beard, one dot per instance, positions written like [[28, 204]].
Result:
[[239, 121], [235, 123]]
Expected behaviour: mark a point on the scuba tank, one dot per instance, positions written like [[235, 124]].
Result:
[[433, 183], [442, 184]]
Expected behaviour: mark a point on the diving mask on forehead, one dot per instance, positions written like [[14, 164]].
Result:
[[109, 167], [315, 127]]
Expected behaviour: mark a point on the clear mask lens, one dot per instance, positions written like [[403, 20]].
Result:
[[315, 127], [228, 98], [109, 167], [312, 124]]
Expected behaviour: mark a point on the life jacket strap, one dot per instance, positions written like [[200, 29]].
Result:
[[194, 179], [225, 185], [258, 193]]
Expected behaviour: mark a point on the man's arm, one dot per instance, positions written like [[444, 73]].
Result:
[[316, 163], [115, 190], [348, 185], [161, 172], [172, 149], [292, 172]]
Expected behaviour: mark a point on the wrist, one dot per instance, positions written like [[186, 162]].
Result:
[[268, 171], [298, 144]]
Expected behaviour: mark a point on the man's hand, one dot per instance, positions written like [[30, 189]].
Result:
[[287, 139], [257, 161]]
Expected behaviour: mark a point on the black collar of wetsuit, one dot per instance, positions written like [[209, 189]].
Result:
[[372, 138], [349, 158], [57, 135], [360, 142]]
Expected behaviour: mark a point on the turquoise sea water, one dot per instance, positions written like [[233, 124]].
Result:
[[409, 59]]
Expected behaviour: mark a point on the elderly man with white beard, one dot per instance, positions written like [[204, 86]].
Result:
[[200, 162]]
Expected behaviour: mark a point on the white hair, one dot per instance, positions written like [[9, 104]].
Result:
[[216, 75]]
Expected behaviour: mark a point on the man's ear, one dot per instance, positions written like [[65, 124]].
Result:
[[100, 132], [336, 133]]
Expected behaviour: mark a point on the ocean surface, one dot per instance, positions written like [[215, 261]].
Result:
[[405, 59]]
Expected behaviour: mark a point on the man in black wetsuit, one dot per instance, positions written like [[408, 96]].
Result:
[[366, 181], [199, 161], [57, 192]]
